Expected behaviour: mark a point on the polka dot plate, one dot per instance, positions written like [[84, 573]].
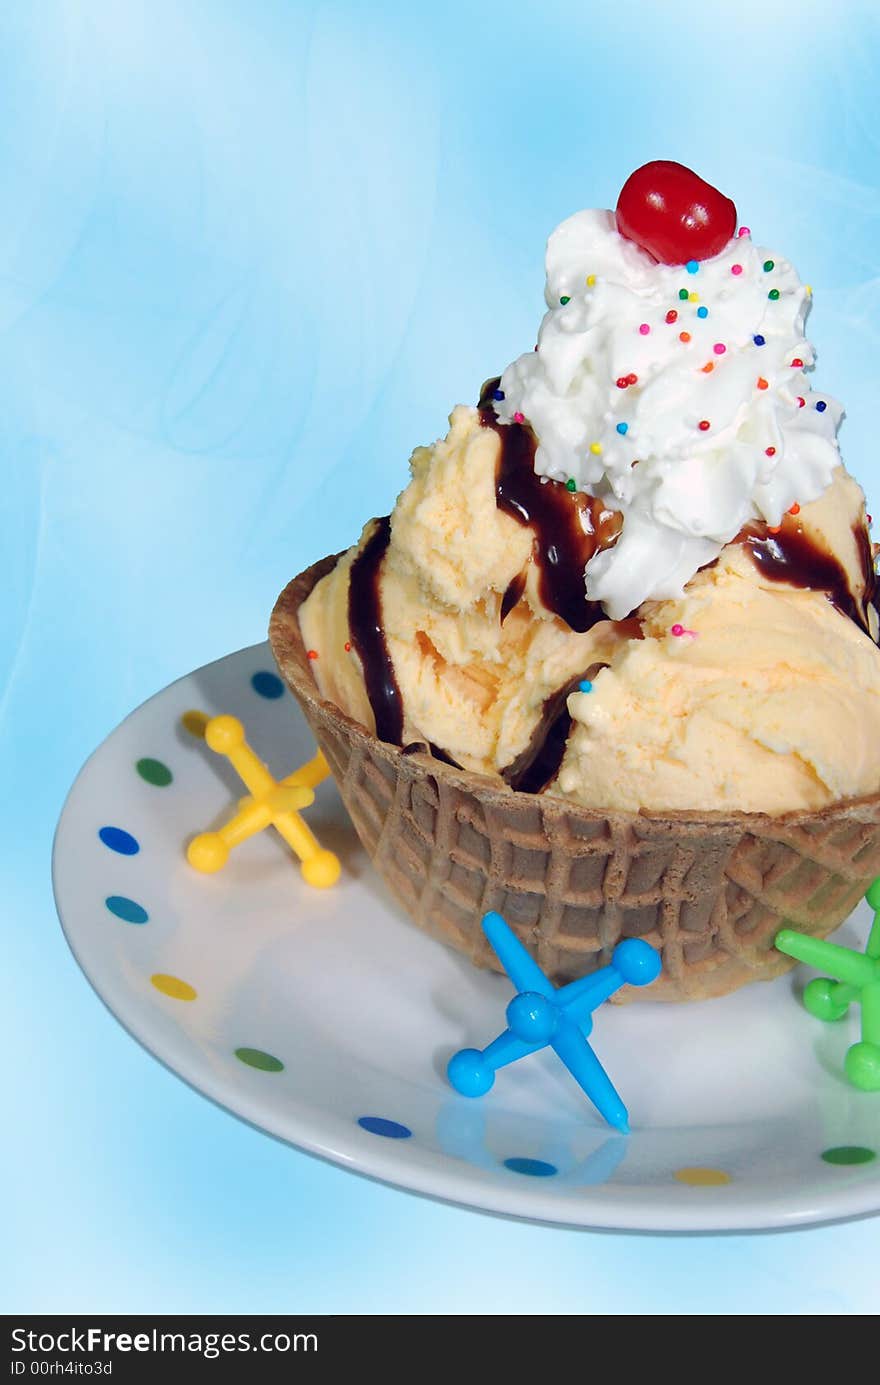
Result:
[[323, 1017]]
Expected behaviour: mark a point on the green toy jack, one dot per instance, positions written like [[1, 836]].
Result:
[[854, 977]]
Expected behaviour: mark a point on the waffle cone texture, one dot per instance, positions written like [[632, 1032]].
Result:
[[710, 890]]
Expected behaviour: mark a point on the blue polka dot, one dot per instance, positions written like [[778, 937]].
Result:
[[535, 1168], [118, 840], [692, 266], [378, 1125], [267, 684], [759, 340], [622, 428], [702, 312], [821, 406], [126, 909]]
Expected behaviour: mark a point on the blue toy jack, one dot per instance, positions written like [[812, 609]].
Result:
[[540, 1015]]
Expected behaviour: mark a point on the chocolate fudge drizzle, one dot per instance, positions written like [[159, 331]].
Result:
[[368, 634], [568, 526], [534, 767], [794, 557], [420, 747], [869, 572], [515, 589]]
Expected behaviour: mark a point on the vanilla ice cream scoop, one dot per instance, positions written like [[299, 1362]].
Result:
[[748, 692]]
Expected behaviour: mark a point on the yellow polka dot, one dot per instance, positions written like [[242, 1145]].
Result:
[[173, 986], [702, 1178], [596, 448], [591, 279], [693, 298], [195, 723]]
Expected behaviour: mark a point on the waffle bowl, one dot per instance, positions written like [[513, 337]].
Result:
[[710, 890]]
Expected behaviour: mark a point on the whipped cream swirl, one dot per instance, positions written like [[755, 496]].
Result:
[[676, 394]]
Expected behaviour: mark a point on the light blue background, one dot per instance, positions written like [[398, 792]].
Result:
[[250, 254]]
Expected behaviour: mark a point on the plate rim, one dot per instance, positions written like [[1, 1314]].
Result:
[[621, 1213]]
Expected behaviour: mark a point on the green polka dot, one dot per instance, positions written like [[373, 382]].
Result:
[[154, 772], [256, 1058], [849, 1154]]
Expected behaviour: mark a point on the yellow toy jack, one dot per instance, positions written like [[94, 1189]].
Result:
[[269, 803]]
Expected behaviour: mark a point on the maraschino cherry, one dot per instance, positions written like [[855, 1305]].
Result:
[[673, 214]]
